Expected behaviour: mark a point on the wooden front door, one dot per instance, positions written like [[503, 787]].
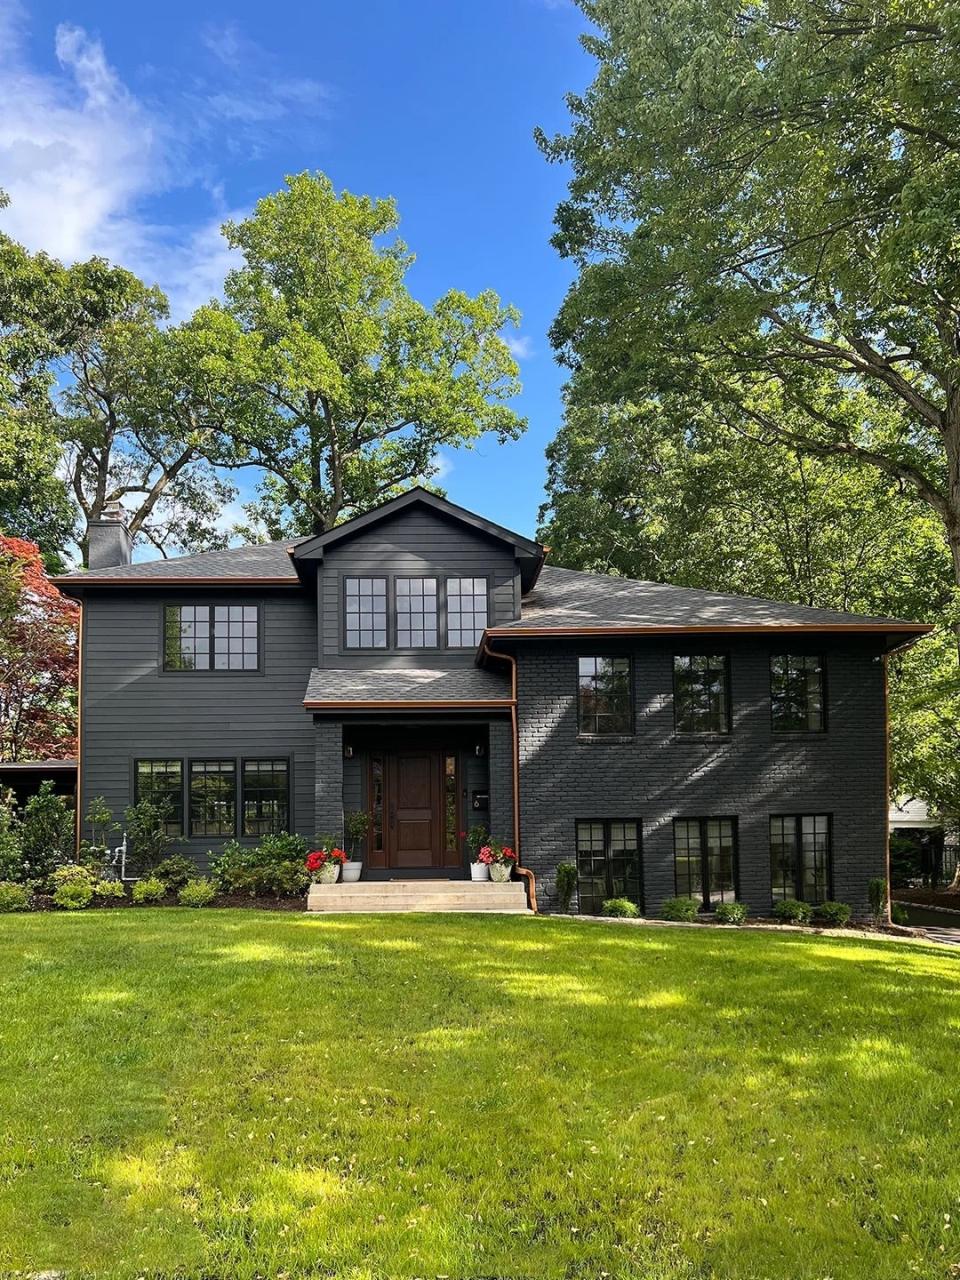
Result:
[[413, 809]]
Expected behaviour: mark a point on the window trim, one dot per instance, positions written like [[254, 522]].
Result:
[[167, 759], [700, 735], [705, 905], [797, 818], [459, 577], [628, 735], [794, 653], [606, 823], [211, 670], [243, 761], [393, 614], [232, 835]]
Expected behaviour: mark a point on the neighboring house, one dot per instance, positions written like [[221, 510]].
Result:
[[923, 846], [423, 664]]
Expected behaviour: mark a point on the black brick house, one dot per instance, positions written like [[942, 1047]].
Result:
[[424, 664]]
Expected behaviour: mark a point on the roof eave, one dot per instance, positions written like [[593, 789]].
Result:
[[72, 585]]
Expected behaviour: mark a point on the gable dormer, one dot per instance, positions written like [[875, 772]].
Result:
[[415, 583]]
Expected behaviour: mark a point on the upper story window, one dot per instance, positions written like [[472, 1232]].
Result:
[[206, 637], [604, 706], [417, 626], [701, 693], [466, 611], [796, 693], [365, 613]]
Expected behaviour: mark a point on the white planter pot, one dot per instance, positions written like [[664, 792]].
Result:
[[351, 872], [479, 871], [329, 873], [500, 872]]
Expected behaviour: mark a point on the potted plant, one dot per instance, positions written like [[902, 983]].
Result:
[[324, 864], [355, 825], [476, 838], [500, 860]]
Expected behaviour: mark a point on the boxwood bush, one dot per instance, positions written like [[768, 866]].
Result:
[[73, 895], [731, 913], [175, 871], [679, 909], [14, 897], [149, 890], [197, 893], [792, 911], [833, 913], [623, 908], [273, 868]]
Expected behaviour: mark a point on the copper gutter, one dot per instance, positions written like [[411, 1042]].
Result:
[[169, 580], [525, 872]]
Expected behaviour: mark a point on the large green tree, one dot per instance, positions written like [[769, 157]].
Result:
[[322, 369], [765, 212]]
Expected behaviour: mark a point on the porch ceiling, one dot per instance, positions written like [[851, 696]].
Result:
[[342, 688]]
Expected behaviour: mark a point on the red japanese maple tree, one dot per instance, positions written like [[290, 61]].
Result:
[[38, 659]]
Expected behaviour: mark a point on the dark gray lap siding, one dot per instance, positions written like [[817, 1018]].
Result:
[[750, 775], [133, 709]]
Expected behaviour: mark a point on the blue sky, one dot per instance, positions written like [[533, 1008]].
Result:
[[133, 130]]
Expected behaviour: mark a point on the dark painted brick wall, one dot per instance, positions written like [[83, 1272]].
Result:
[[749, 775]]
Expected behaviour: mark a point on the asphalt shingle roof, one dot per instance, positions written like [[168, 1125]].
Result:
[[569, 598], [269, 560], [406, 684]]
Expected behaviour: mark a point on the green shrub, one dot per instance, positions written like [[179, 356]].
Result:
[[679, 909], [792, 911], [149, 890], [899, 913], [197, 893], [46, 832], [11, 853], [71, 873], [833, 913], [175, 871], [567, 876], [73, 895], [877, 893], [622, 908], [147, 831], [731, 913], [14, 897], [272, 868], [109, 890]]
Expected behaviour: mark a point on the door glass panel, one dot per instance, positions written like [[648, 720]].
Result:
[[376, 802], [451, 826]]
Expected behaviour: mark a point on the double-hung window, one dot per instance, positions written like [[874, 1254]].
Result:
[[211, 637], [608, 863], [796, 693], [161, 783], [701, 693], [365, 613], [265, 796], [705, 860], [466, 611], [604, 705], [417, 613], [800, 856], [213, 798]]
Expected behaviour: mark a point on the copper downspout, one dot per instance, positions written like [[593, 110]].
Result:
[[515, 734]]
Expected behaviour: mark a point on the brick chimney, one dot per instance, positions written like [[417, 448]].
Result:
[[109, 543]]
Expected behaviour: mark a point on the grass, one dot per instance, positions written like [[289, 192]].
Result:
[[239, 1094]]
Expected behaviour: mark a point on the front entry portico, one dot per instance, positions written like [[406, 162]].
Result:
[[414, 804]]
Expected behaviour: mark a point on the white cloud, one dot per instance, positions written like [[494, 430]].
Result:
[[521, 347], [83, 158], [444, 465], [77, 150]]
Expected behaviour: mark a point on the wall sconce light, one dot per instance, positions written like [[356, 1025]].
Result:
[[348, 753], [479, 749]]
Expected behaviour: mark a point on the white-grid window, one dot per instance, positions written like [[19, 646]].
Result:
[[365, 613], [466, 611], [417, 613]]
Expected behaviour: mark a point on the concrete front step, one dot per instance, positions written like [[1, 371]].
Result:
[[423, 895]]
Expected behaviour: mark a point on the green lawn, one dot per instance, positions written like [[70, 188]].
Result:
[[240, 1094]]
